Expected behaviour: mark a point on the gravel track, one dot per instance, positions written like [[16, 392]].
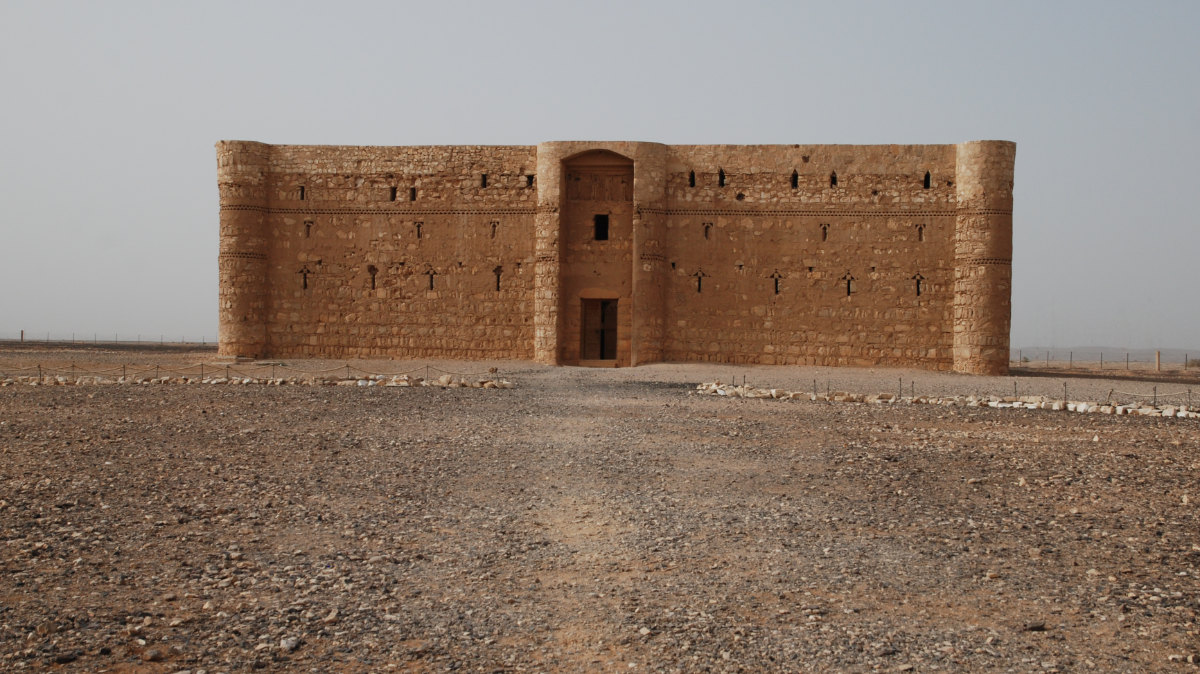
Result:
[[595, 520]]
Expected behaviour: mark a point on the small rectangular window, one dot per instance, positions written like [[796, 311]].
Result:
[[483, 180], [391, 194], [302, 193], [529, 181], [600, 224], [412, 194]]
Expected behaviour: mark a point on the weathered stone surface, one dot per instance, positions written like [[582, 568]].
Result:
[[620, 252]]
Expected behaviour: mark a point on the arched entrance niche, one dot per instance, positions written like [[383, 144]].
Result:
[[597, 239]]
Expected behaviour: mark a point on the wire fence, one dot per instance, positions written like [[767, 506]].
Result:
[[101, 338], [1096, 359]]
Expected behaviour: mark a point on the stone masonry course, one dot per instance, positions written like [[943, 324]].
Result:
[[619, 253]]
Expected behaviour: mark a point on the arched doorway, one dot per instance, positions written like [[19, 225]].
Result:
[[597, 258]]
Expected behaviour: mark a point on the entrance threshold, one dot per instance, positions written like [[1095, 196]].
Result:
[[598, 363]]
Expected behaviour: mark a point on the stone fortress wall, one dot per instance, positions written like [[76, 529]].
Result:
[[620, 253]]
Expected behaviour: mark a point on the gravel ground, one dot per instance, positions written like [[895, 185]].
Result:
[[594, 520]]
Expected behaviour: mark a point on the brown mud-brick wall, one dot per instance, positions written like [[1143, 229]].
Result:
[[787, 254]]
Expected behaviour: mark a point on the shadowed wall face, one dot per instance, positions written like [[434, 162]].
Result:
[[597, 236], [621, 252]]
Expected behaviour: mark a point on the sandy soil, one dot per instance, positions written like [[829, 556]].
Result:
[[594, 520]]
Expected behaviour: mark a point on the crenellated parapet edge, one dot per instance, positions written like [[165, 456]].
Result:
[[242, 169], [982, 305]]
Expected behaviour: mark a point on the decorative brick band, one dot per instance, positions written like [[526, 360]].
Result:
[[653, 257], [380, 211], [1002, 261], [547, 257], [238, 255], [808, 212], [983, 211]]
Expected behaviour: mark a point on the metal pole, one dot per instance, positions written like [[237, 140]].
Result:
[[1064, 391], [1047, 359], [1101, 360], [1070, 360], [1126, 360]]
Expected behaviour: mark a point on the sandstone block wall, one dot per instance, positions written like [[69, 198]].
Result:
[[806, 254]]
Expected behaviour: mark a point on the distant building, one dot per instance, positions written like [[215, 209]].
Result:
[[620, 253]]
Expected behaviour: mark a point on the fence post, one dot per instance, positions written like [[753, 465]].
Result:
[[901, 395], [201, 370], [156, 372], [227, 372], [1047, 359], [39, 371], [1158, 361], [72, 370], [122, 372], [1156, 396], [1070, 360], [1101, 360], [1064, 391], [1126, 360], [347, 371]]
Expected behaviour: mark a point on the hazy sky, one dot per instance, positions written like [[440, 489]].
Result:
[[109, 112]]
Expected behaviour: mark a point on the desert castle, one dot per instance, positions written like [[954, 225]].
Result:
[[620, 253]]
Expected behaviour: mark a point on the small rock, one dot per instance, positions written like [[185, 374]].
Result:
[[153, 655], [289, 644]]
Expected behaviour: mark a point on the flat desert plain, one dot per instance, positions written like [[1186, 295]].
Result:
[[588, 520]]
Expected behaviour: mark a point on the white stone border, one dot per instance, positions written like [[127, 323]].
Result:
[[444, 381], [1006, 402]]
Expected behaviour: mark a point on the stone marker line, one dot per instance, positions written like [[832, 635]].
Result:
[[982, 400]]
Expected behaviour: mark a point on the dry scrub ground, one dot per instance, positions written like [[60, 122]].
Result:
[[598, 520]]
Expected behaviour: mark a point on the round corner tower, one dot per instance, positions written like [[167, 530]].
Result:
[[242, 260], [983, 256]]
